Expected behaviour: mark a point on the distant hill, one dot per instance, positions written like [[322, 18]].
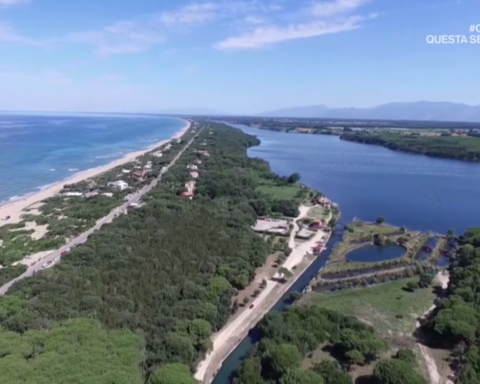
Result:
[[419, 111]]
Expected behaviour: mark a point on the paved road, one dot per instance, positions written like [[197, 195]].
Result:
[[55, 256]]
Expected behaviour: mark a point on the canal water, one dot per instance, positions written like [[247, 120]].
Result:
[[232, 363], [414, 191]]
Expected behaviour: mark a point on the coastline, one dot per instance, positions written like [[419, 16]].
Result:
[[15, 209]]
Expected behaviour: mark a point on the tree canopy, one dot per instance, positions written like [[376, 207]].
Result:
[[451, 147], [287, 337], [457, 319], [163, 275]]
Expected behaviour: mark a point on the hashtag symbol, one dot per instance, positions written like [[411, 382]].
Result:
[[472, 28]]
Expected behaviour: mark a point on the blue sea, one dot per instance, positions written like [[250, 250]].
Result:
[[37, 150]]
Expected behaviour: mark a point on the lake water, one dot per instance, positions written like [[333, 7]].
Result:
[[367, 181], [375, 253]]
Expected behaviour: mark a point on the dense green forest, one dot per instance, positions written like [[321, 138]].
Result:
[[456, 323], [287, 338], [147, 290], [450, 147]]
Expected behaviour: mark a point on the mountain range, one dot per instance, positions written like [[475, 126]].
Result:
[[416, 111]]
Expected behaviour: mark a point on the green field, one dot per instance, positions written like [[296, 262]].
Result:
[[283, 192], [387, 307], [319, 213]]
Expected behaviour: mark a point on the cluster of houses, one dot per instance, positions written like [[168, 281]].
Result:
[[204, 153], [327, 203], [190, 185]]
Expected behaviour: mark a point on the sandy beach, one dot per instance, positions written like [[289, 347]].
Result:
[[16, 208]]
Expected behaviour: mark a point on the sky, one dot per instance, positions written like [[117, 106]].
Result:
[[244, 57]]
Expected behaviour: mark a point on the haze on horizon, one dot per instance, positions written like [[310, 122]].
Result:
[[238, 57]]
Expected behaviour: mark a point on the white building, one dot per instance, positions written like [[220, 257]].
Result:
[[119, 185], [157, 154], [190, 186], [72, 194], [193, 167]]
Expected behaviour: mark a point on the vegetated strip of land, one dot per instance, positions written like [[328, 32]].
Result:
[[299, 258], [48, 220], [146, 291], [456, 320], [362, 335], [465, 148], [97, 210]]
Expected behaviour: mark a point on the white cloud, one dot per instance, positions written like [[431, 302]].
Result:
[[189, 15], [321, 18], [12, 2], [51, 76], [8, 35], [142, 33], [272, 34], [331, 8], [254, 20], [121, 37]]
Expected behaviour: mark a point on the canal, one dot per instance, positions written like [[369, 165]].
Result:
[[232, 363]]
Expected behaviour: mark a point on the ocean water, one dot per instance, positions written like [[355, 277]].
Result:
[[39, 150], [369, 181]]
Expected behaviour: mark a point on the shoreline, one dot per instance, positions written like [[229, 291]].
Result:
[[15, 209], [229, 339]]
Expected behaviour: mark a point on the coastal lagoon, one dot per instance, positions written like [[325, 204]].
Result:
[[38, 150], [368, 181]]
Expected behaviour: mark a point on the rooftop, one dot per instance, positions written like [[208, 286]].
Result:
[[271, 226]]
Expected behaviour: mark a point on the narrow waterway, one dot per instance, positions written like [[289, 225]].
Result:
[[232, 363]]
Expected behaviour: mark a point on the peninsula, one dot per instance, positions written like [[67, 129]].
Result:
[[458, 141]]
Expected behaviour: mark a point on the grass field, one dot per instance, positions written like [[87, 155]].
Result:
[[318, 212], [362, 229], [284, 192], [389, 309]]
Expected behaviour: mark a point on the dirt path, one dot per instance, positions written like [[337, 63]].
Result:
[[432, 368], [227, 339]]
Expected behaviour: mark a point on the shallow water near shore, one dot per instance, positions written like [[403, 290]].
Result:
[[38, 150]]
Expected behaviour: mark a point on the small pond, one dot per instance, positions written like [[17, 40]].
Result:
[[443, 261], [375, 253], [432, 243]]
